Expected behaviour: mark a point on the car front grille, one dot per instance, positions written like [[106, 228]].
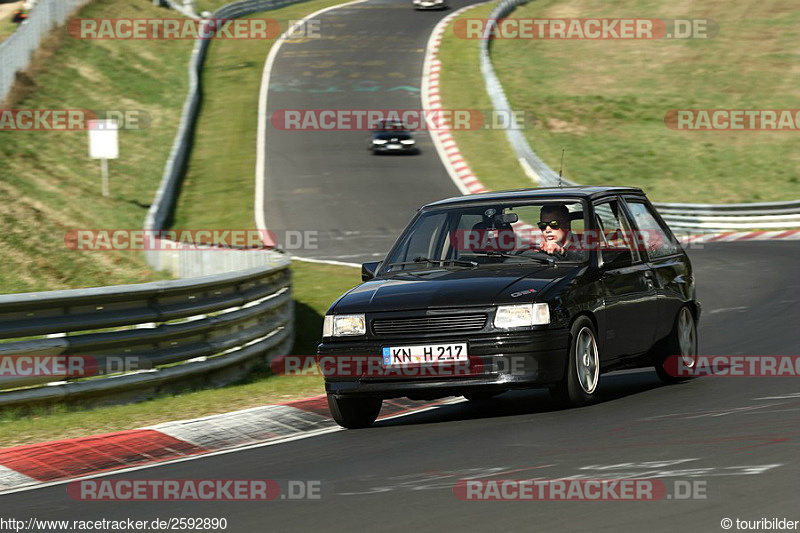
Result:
[[386, 327]]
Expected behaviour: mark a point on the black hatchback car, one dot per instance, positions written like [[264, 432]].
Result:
[[392, 137], [517, 289]]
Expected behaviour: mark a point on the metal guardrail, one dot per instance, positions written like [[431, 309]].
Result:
[[17, 51], [216, 327], [680, 216], [208, 260]]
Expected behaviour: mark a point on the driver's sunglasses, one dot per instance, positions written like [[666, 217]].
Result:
[[553, 224]]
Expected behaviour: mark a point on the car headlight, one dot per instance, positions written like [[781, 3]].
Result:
[[344, 325], [517, 316], [407, 141], [379, 141]]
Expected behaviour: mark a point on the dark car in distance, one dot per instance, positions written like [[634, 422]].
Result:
[[507, 290], [392, 137], [429, 4]]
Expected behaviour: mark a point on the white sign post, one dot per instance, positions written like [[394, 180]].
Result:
[[103, 145]]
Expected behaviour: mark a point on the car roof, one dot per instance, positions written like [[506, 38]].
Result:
[[388, 122], [390, 130], [580, 192]]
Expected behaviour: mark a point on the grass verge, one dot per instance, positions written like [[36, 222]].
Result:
[[605, 101], [48, 183]]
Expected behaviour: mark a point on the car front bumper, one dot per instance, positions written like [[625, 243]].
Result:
[[402, 149], [505, 361]]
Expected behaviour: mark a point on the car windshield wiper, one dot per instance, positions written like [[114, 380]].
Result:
[[418, 260], [494, 253]]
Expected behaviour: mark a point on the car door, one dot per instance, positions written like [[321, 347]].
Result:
[[670, 265], [628, 289]]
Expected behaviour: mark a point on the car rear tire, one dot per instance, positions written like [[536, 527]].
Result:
[[582, 376], [682, 341], [354, 413]]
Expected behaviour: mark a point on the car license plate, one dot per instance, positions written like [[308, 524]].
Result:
[[393, 146], [424, 353]]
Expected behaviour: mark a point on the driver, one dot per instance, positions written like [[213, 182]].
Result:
[[555, 224]]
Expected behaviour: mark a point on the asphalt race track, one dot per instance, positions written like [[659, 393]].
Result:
[[737, 437], [369, 56]]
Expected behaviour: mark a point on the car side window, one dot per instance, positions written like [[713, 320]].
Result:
[[615, 231], [653, 237]]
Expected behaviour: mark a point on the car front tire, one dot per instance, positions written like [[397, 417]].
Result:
[[682, 341], [354, 413], [579, 385]]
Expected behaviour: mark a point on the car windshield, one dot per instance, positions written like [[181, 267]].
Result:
[[388, 135], [389, 125], [492, 234]]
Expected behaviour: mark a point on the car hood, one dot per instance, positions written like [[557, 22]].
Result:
[[450, 288]]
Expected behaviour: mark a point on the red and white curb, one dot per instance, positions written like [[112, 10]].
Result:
[[33, 465], [442, 138]]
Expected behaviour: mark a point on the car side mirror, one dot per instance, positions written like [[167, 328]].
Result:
[[617, 258], [368, 270]]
